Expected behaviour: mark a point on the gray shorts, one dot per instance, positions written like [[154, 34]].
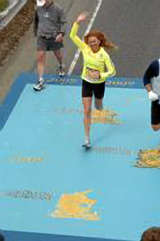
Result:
[[48, 44]]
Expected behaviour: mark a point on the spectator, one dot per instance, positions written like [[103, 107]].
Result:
[[151, 234], [49, 28], [151, 82]]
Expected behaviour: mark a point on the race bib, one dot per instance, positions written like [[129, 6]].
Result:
[[90, 75]]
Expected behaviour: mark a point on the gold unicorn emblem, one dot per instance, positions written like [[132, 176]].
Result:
[[104, 116], [148, 158], [76, 205]]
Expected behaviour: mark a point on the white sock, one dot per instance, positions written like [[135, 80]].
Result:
[[40, 79], [87, 139]]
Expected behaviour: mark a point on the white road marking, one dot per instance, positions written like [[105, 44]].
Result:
[[75, 59]]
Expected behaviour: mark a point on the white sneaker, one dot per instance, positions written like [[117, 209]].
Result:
[[39, 86], [87, 145], [61, 70]]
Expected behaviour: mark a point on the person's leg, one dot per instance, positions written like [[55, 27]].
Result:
[[87, 103], [99, 90], [99, 104], [59, 57], [155, 115], [41, 58], [156, 127]]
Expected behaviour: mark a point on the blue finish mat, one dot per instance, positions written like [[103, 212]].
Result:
[[51, 186]]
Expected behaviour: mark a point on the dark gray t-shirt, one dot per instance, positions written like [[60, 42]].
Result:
[[49, 21]]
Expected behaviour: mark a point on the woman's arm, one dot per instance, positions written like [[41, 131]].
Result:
[[73, 34], [110, 67]]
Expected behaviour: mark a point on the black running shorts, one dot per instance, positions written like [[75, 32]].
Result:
[[155, 113], [48, 44], [89, 89]]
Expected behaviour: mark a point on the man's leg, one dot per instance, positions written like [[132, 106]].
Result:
[[155, 115], [41, 57], [59, 57]]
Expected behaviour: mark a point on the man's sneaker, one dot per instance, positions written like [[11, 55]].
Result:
[[61, 70], [39, 86]]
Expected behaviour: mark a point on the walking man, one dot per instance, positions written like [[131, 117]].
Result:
[[49, 28]]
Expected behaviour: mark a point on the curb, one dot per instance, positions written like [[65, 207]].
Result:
[[9, 13]]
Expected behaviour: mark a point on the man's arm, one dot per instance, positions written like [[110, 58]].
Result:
[[63, 22], [152, 71]]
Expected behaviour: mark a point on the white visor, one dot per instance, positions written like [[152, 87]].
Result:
[[40, 3]]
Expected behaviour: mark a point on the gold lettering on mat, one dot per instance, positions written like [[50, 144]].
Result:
[[28, 194], [26, 159]]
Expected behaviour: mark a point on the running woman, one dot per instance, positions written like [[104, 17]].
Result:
[[96, 68]]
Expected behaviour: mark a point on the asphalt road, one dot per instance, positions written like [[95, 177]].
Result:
[[133, 25]]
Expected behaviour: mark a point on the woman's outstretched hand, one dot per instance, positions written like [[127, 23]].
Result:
[[82, 17]]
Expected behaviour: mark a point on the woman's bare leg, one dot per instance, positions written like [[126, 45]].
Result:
[[87, 103]]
